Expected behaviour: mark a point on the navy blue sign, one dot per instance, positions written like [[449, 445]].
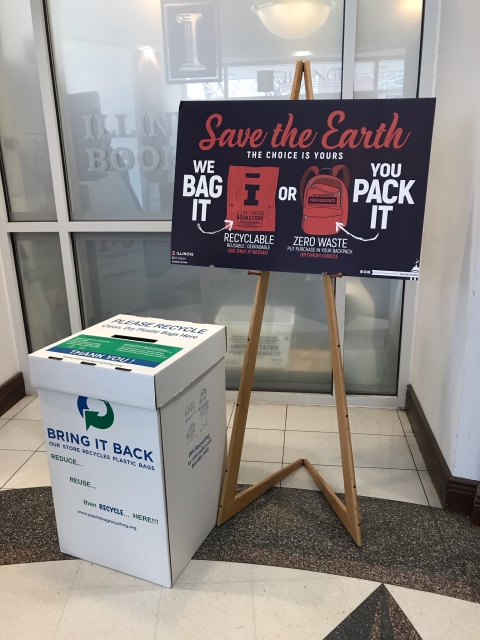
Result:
[[331, 186]]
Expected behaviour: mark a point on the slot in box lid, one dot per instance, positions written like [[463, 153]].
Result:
[[132, 360]]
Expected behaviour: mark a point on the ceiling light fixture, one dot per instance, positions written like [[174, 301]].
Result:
[[293, 19]]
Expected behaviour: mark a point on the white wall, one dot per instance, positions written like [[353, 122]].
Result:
[[8, 355], [446, 357]]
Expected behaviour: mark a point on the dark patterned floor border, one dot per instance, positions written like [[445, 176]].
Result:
[[379, 617], [404, 544], [28, 531]]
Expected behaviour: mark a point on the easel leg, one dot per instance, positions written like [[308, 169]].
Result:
[[231, 502], [243, 400], [348, 512], [342, 414]]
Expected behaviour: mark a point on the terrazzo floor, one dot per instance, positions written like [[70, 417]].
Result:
[[282, 568], [76, 600], [387, 459]]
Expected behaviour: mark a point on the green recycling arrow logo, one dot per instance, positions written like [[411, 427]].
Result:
[[92, 419]]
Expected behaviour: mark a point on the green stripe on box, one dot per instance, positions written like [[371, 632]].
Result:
[[121, 348]]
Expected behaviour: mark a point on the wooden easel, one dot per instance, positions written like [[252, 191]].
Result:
[[231, 502]]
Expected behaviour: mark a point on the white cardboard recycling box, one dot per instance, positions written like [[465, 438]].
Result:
[[134, 417]]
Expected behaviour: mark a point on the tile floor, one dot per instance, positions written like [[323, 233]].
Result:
[[23, 458], [75, 600], [387, 459]]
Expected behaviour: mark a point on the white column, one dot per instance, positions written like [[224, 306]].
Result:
[[446, 357]]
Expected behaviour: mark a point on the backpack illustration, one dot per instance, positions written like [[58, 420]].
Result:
[[251, 193], [324, 198]]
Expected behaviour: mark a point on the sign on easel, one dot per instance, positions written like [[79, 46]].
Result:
[[258, 194], [306, 186]]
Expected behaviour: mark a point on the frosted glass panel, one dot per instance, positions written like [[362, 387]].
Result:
[[122, 68], [373, 317], [386, 66], [132, 274], [42, 286], [387, 48], [23, 140]]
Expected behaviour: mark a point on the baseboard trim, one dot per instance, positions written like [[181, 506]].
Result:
[[433, 457], [11, 392], [461, 494], [457, 495], [476, 509]]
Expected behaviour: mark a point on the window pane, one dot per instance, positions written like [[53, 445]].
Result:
[[132, 274], [386, 66], [373, 313], [123, 67], [42, 285], [23, 140], [387, 48]]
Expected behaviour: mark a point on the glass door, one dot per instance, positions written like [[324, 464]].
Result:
[[87, 214]]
